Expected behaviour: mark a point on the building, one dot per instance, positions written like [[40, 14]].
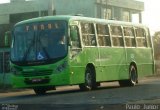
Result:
[[17, 10], [108, 9]]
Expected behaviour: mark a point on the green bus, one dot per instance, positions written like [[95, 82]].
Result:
[[73, 50]]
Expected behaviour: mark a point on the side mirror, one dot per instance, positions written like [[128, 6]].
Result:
[[69, 42]]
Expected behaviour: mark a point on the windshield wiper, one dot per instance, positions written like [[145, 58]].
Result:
[[44, 49], [29, 48]]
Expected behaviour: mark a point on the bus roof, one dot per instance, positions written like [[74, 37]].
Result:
[[78, 18]]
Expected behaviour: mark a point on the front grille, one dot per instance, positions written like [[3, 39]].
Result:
[[37, 73]]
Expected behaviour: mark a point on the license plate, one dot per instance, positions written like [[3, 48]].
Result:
[[36, 80]]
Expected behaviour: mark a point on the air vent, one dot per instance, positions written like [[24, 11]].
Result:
[[37, 73]]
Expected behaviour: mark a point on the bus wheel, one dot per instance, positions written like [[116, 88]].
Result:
[[90, 80], [39, 91], [133, 78]]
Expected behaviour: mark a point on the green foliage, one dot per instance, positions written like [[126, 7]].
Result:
[[156, 42]]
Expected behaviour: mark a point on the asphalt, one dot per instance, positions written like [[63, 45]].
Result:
[[14, 92]]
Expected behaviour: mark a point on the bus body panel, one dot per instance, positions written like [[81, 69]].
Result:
[[79, 63], [110, 63], [50, 72], [143, 58]]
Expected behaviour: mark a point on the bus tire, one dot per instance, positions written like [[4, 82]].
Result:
[[133, 78], [90, 80], [39, 91]]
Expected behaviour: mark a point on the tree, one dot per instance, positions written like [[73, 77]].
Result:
[[156, 42]]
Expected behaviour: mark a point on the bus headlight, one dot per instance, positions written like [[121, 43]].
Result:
[[61, 67], [15, 71]]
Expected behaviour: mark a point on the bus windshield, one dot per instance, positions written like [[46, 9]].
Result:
[[39, 42]]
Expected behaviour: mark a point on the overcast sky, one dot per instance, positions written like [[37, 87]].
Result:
[[151, 15]]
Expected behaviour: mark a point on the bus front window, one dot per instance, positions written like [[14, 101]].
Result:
[[39, 44]]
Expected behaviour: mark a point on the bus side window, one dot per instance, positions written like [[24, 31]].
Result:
[[103, 35], [141, 37], [116, 34], [129, 37], [74, 34], [88, 34]]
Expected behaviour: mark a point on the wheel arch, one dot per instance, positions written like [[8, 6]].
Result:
[[91, 66], [134, 64]]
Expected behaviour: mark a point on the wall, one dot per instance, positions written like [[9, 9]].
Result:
[[23, 7], [4, 19], [85, 7], [130, 4]]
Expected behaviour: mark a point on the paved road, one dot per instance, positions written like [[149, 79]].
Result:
[[108, 96]]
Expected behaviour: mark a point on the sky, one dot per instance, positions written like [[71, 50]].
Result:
[[4, 1], [150, 16]]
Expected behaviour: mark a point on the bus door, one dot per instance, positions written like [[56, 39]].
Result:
[[75, 55]]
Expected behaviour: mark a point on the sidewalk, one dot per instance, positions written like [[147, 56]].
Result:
[[12, 93]]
